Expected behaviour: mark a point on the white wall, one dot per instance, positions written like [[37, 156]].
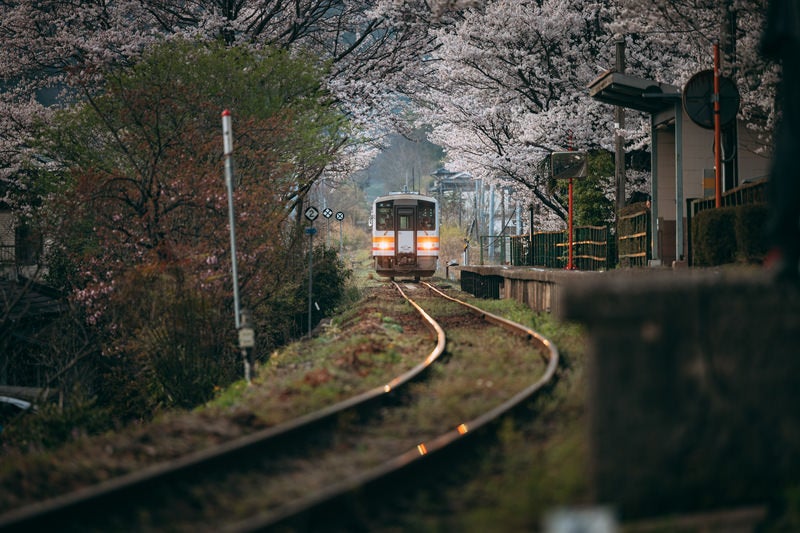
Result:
[[698, 160]]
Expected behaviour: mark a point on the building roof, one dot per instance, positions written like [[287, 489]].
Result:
[[641, 94]]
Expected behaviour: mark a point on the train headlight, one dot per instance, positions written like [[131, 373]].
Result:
[[428, 244], [384, 245]]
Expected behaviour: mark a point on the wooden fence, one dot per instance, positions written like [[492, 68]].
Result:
[[549, 249], [633, 228]]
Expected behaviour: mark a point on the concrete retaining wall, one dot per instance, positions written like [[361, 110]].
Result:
[[694, 388], [537, 288]]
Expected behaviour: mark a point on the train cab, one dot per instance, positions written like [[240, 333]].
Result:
[[405, 235]]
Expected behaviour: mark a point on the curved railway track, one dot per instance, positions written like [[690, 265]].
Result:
[[271, 456]]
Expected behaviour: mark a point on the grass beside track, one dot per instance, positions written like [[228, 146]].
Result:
[[537, 463]]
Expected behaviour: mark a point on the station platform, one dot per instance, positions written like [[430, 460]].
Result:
[[539, 288]]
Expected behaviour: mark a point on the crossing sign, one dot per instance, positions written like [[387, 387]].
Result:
[[312, 213], [339, 216], [327, 212]]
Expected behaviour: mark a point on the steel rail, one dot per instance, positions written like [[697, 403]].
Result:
[[50, 512], [549, 352], [304, 506]]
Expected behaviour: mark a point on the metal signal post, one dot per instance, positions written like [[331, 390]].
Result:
[[311, 214], [717, 133], [227, 140], [340, 218], [243, 323]]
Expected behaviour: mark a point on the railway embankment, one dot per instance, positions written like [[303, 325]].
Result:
[[693, 389]]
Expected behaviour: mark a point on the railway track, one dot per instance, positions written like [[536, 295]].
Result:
[[288, 475]]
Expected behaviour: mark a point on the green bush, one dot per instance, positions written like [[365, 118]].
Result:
[[51, 426], [751, 240], [728, 234], [328, 287], [169, 346], [714, 237]]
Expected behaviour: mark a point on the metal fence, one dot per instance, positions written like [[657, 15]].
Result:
[[754, 192], [592, 247], [7, 255], [495, 250]]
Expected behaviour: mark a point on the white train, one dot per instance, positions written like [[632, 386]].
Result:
[[405, 235]]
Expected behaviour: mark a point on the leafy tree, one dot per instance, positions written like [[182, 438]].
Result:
[[593, 205], [503, 81], [592, 202], [142, 213]]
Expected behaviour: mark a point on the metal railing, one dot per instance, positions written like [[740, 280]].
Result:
[[753, 192], [7, 255]]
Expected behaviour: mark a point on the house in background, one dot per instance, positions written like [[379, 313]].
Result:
[[28, 310]]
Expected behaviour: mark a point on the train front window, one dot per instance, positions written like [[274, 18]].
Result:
[[427, 216], [383, 214], [405, 219]]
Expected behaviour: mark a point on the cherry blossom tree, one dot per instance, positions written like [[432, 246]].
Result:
[[507, 88], [671, 41], [507, 83], [503, 80], [53, 47]]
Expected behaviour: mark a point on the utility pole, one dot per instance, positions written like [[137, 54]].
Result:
[[728, 66], [619, 125]]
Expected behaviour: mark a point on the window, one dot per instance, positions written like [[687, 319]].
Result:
[[405, 218], [383, 214], [427, 216], [28, 245]]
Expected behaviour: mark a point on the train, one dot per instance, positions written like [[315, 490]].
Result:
[[405, 235]]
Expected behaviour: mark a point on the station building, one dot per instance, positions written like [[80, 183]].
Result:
[[682, 151]]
